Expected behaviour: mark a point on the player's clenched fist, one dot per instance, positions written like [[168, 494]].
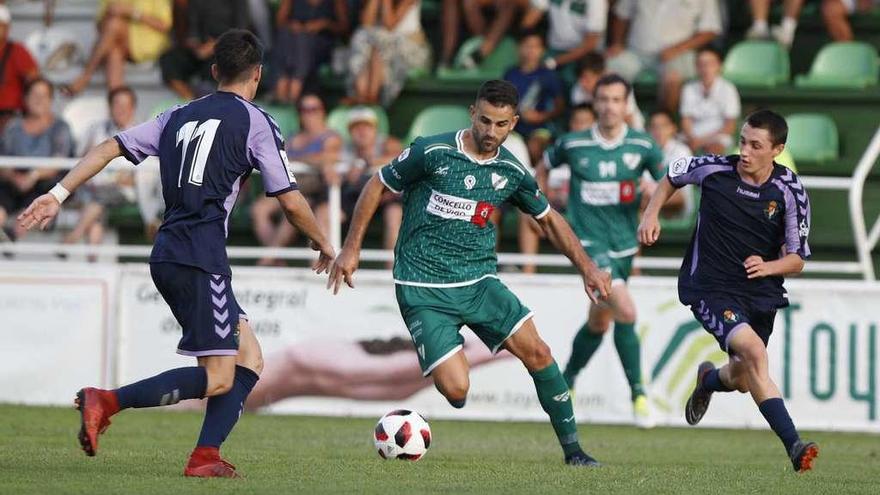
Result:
[[342, 269], [649, 230], [40, 212]]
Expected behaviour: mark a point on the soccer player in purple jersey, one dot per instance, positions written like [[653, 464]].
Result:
[[751, 231], [207, 149]]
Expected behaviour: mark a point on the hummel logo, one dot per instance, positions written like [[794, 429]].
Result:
[[441, 170], [562, 397]]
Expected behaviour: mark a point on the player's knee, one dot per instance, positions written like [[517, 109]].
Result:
[[538, 357], [754, 357], [455, 392], [219, 384], [626, 315]]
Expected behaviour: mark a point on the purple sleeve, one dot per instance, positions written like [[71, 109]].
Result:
[[142, 141], [694, 169], [797, 214], [266, 151]]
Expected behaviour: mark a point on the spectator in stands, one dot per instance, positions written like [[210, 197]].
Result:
[[835, 13], [206, 21], [541, 98], [502, 14], [389, 44], [663, 129], [590, 69], [109, 189], [37, 133], [305, 39], [784, 32], [17, 68], [710, 107], [367, 151], [128, 30], [576, 28], [582, 117], [316, 146], [663, 35]]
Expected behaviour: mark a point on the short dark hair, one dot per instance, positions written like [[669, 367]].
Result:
[[771, 121], [665, 113], [499, 93], [611, 79], [120, 90], [710, 49], [237, 51], [583, 106], [310, 94], [528, 33], [37, 81], [591, 62]]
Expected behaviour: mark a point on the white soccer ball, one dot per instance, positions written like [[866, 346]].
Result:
[[402, 434]]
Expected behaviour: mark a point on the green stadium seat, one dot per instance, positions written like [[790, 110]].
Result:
[[338, 120], [492, 67], [285, 116], [812, 137], [757, 64], [842, 65], [439, 119]]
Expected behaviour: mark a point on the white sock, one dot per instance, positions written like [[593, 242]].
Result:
[[789, 25], [759, 26]]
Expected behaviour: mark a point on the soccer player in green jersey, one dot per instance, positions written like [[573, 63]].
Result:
[[445, 263], [607, 162]]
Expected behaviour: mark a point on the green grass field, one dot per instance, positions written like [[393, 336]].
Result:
[[144, 452]]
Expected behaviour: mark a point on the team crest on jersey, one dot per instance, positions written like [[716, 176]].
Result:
[[730, 316], [403, 155], [678, 167], [632, 160], [498, 181], [469, 182], [771, 210]]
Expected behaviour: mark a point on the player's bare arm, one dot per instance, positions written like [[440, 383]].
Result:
[[757, 267], [45, 208], [563, 239], [300, 215], [649, 228], [347, 262]]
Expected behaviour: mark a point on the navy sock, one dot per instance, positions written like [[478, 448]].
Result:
[[712, 382], [223, 410], [777, 416], [165, 388]]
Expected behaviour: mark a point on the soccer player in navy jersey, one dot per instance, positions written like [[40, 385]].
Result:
[[207, 149], [751, 232]]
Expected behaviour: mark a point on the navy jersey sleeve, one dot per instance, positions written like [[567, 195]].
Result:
[[142, 141], [695, 169], [797, 214], [265, 149]]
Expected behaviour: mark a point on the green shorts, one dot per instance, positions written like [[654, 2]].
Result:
[[435, 315], [617, 263]]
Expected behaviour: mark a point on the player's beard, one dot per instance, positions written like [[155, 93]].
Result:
[[485, 146]]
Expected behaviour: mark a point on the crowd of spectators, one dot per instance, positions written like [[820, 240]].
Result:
[[372, 47]]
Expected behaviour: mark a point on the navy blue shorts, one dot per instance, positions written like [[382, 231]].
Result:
[[723, 316], [203, 305]]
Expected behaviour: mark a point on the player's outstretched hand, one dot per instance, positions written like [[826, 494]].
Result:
[[756, 267], [40, 212], [598, 284], [325, 258], [343, 269], [649, 230]]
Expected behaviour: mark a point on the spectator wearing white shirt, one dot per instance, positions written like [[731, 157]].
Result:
[[662, 36], [576, 28], [709, 107], [662, 128]]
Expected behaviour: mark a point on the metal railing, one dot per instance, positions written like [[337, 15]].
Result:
[[865, 240]]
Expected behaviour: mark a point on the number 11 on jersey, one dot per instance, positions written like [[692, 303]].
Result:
[[205, 134]]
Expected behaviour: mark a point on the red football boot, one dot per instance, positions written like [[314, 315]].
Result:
[[95, 407], [205, 462]]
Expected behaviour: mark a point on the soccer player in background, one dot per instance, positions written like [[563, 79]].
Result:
[[445, 263], [607, 162], [752, 230], [207, 149]]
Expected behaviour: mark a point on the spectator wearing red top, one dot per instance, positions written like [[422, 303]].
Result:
[[17, 68]]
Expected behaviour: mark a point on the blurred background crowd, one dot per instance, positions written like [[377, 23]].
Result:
[[352, 81]]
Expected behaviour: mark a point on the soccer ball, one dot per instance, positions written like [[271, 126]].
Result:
[[402, 434]]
